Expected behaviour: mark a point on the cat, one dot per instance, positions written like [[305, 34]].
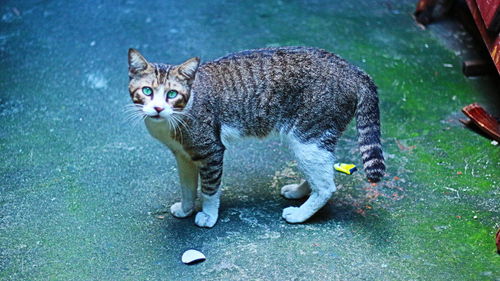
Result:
[[306, 94]]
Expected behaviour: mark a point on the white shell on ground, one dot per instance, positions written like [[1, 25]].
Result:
[[192, 256]]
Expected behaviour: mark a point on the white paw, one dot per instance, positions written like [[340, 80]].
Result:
[[205, 220], [294, 215], [177, 211], [293, 191]]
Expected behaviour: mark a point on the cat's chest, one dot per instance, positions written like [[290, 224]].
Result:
[[160, 130]]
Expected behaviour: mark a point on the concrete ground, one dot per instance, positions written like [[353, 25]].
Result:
[[84, 194]]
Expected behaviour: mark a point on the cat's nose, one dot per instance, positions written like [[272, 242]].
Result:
[[159, 109]]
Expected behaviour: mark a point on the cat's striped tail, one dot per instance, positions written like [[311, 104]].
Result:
[[368, 126]]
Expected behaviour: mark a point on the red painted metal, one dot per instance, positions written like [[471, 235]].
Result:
[[498, 241], [491, 40], [490, 11], [483, 120]]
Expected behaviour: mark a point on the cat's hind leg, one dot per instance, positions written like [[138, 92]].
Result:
[[317, 165], [188, 177], [296, 191]]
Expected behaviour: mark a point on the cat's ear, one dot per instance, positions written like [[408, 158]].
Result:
[[188, 68], [136, 62]]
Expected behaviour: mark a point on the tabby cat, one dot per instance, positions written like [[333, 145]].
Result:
[[307, 95]]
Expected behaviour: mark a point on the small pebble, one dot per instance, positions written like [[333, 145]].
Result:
[[192, 256]]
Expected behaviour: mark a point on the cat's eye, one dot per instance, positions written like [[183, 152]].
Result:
[[147, 91], [172, 94]]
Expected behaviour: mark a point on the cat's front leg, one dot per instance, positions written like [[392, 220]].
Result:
[[210, 175], [188, 178]]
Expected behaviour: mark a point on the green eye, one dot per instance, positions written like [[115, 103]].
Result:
[[147, 91], [171, 94]]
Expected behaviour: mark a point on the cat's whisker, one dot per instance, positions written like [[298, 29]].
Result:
[[135, 122], [178, 125], [175, 119], [132, 111], [133, 107], [174, 126], [180, 129], [171, 125], [183, 113], [134, 114], [129, 117], [181, 121], [143, 118]]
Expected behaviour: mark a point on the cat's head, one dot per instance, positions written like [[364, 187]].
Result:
[[160, 90]]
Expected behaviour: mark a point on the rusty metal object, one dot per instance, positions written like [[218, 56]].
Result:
[[428, 11], [491, 40], [477, 67], [484, 121], [490, 13], [498, 241]]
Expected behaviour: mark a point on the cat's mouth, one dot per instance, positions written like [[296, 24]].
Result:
[[156, 117]]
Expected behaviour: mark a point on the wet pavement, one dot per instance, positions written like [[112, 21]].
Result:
[[85, 194]]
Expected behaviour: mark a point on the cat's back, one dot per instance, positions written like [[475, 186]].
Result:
[[280, 56], [281, 69], [261, 90], [291, 59]]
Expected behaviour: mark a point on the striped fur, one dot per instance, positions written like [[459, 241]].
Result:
[[368, 126], [307, 94]]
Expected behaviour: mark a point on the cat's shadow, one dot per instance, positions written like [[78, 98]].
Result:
[[374, 225], [184, 234]]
